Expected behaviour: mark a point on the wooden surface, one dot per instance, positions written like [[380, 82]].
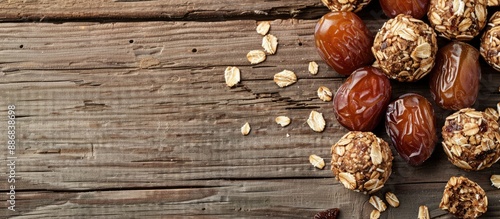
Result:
[[122, 112]]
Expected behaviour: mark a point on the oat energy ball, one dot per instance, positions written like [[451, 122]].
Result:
[[345, 5], [464, 198], [405, 48], [490, 42], [458, 19], [361, 161], [471, 139]]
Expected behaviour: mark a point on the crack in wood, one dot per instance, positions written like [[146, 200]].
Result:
[[263, 179], [49, 151], [89, 105], [92, 150], [299, 11], [84, 83], [132, 0], [117, 189]]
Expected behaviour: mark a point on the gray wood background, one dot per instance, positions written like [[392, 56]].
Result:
[[122, 112]]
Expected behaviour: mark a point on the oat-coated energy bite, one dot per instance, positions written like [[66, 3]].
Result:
[[458, 19], [464, 198], [490, 42], [471, 139], [405, 48], [361, 161], [345, 5]]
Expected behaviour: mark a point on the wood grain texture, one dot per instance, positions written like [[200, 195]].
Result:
[[134, 120], [46, 10]]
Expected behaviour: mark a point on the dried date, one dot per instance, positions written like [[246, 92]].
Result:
[[332, 213], [455, 78], [410, 124], [360, 102], [343, 41], [415, 8]]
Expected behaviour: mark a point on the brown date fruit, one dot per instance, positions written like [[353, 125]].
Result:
[[410, 124], [361, 101], [455, 78], [343, 41], [416, 8], [332, 213]]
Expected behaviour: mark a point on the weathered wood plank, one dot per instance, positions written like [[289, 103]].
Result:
[[134, 120], [45, 10]]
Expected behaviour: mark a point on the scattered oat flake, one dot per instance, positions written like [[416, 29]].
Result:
[[232, 76], [245, 129], [316, 121], [256, 56], [263, 27], [377, 203], [270, 44], [317, 161], [282, 120], [375, 214], [392, 199], [423, 212], [313, 67], [495, 181], [285, 78], [324, 94]]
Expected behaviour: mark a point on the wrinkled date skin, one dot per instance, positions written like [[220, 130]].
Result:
[[343, 41], [416, 8], [455, 78], [328, 214], [410, 124], [361, 101]]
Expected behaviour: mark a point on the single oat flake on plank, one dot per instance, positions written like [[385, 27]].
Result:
[[392, 199], [285, 78], [256, 56], [495, 181], [245, 129], [317, 161], [283, 120], [377, 203], [325, 94], [423, 212], [270, 44], [375, 214], [232, 76], [263, 27], [316, 121], [313, 68]]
